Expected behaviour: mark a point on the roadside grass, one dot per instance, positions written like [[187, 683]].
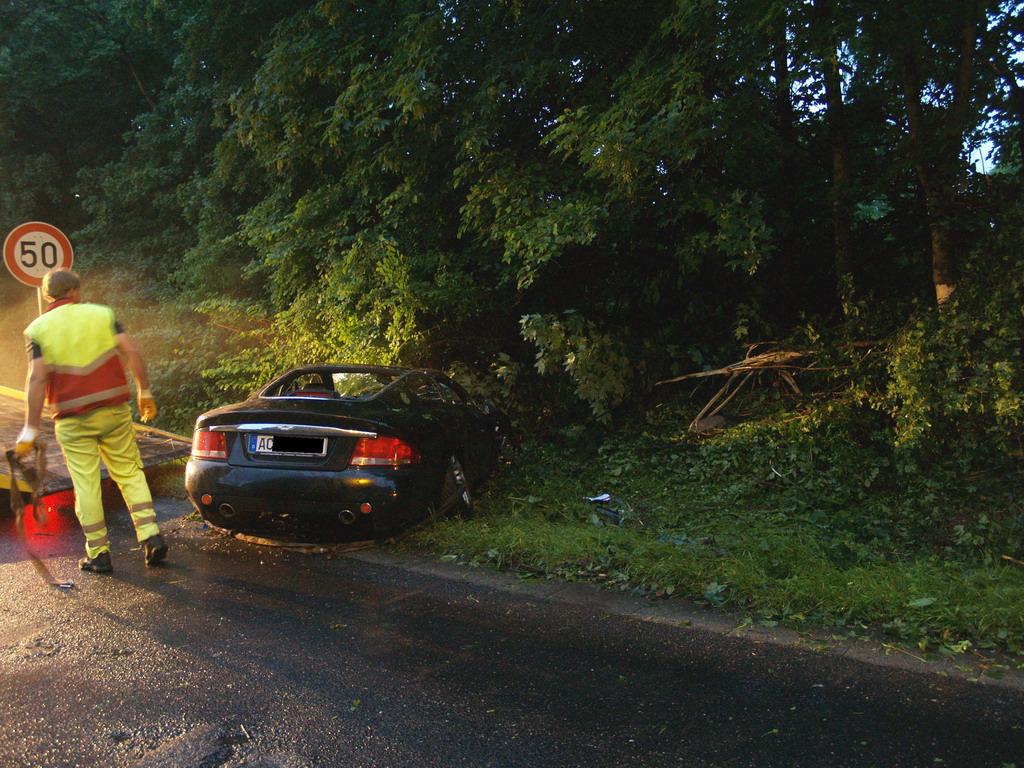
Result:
[[763, 521]]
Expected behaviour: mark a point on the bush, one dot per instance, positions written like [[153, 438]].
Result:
[[956, 386]]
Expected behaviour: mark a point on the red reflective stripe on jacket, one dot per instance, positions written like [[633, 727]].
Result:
[[71, 393]]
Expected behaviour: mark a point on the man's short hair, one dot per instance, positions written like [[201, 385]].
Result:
[[58, 282]]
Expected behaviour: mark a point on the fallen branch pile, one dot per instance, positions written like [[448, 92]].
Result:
[[782, 361]]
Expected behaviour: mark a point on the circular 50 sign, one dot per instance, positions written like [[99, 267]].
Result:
[[32, 249]]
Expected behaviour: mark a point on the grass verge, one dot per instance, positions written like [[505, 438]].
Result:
[[763, 521]]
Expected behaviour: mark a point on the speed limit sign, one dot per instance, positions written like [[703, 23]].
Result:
[[32, 249]]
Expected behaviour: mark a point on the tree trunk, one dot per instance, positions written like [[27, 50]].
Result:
[[785, 121], [929, 161], [936, 148], [842, 202]]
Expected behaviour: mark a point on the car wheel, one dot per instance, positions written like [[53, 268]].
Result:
[[456, 498]]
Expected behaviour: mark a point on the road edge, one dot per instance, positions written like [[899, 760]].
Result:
[[995, 670]]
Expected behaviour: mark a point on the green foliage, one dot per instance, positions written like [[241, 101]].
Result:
[[402, 182], [72, 77], [596, 362], [956, 379]]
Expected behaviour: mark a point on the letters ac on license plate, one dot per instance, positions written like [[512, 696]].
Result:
[[287, 445]]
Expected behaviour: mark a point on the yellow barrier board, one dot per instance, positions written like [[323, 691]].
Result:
[[155, 445]]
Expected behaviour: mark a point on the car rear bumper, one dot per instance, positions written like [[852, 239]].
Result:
[[236, 497]]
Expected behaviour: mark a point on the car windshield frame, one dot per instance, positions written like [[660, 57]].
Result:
[[367, 384], [393, 387]]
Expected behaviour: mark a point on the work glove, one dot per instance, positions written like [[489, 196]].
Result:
[[147, 405], [26, 441]]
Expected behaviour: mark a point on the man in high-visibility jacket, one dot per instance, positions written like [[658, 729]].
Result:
[[76, 351]]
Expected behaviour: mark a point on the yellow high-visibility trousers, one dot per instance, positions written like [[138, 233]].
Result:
[[105, 433]]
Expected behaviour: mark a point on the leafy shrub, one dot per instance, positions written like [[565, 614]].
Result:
[[595, 360], [957, 384]]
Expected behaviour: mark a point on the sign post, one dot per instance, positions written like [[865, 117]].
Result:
[[34, 248]]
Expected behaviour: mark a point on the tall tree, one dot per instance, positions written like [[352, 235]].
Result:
[[828, 41], [933, 52], [73, 75], [162, 207], [576, 183]]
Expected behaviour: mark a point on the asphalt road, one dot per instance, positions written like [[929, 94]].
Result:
[[240, 655]]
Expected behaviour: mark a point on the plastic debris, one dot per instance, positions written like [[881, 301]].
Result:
[[601, 497]]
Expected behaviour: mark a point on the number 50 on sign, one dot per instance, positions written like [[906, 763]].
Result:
[[33, 249]]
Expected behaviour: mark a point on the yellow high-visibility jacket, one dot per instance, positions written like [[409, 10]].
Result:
[[78, 341]]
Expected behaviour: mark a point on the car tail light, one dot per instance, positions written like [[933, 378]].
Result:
[[209, 445], [383, 451]]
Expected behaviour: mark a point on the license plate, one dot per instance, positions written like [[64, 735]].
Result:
[[288, 444]]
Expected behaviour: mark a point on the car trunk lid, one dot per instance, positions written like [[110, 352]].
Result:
[[287, 436]]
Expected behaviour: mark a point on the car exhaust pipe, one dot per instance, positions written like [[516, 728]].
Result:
[[347, 516], [227, 510]]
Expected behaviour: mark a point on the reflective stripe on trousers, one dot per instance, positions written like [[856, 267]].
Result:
[[105, 433]]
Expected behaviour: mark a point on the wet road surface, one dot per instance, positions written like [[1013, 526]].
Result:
[[239, 655]]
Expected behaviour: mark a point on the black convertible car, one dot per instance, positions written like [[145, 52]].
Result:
[[325, 446]]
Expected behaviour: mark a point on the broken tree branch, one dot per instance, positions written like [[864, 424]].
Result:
[[779, 359], [707, 412]]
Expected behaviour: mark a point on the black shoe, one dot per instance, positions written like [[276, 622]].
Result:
[[99, 564], [155, 549]]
